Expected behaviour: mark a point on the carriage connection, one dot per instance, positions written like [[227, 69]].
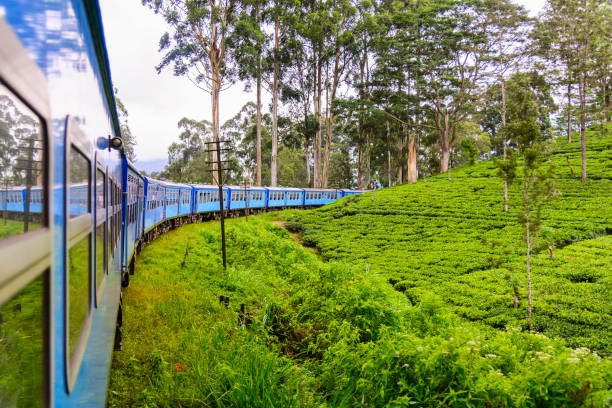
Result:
[[74, 211]]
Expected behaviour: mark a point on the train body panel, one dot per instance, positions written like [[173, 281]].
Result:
[[207, 198], [240, 198]]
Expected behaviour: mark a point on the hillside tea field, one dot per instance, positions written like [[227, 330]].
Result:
[[319, 334], [408, 300], [452, 240]]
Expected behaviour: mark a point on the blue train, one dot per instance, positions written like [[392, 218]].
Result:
[[73, 211]]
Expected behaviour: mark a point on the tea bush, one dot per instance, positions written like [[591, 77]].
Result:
[[453, 239]]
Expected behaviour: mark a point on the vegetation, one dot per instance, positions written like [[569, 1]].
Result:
[[21, 348], [452, 240], [320, 333]]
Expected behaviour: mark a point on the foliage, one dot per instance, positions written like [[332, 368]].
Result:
[[319, 334], [451, 239]]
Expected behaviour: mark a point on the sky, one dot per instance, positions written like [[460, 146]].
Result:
[[156, 102]]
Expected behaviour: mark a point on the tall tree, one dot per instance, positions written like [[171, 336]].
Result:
[[198, 46], [569, 32], [537, 177], [248, 45], [341, 22], [508, 30]]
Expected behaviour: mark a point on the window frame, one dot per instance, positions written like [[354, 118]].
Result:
[[100, 219], [76, 229]]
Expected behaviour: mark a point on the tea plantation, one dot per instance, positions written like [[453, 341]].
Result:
[[409, 300], [452, 239], [319, 334]]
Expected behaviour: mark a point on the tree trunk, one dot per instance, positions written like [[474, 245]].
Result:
[[445, 153], [258, 127], [445, 144], [330, 114], [361, 120], [569, 112], [582, 93], [317, 112], [413, 172], [388, 155], [360, 166], [368, 163], [528, 240], [328, 141], [505, 147], [258, 120], [516, 298], [307, 155], [273, 175]]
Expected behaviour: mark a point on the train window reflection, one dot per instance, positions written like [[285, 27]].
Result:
[[100, 227], [79, 184], [78, 296], [21, 166], [22, 348]]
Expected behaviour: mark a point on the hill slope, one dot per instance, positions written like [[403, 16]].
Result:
[[453, 239]]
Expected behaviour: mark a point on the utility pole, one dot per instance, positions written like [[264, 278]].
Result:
[[31, 167], [218, 162]]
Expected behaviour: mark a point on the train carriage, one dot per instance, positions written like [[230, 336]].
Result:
[[207, 198], [155, 202], [295, 197], [178, 199], [241, 197], [320, 196], [276, 197]]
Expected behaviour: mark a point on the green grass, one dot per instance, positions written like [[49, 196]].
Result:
[[452, 239], [322, 334], [21, 349], [78, 295], [9, 228], [406, 301]]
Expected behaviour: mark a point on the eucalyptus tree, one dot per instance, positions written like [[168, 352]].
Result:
[[339, 52], [284, 17], [508, 30], [198, 46], [570, 32], [248, 45], [397, 79]]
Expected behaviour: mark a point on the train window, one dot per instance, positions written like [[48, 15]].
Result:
[[80, 242], [100, 227], [23, 287], [20, 165]]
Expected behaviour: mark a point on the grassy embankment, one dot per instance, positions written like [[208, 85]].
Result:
[[334, 332]]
